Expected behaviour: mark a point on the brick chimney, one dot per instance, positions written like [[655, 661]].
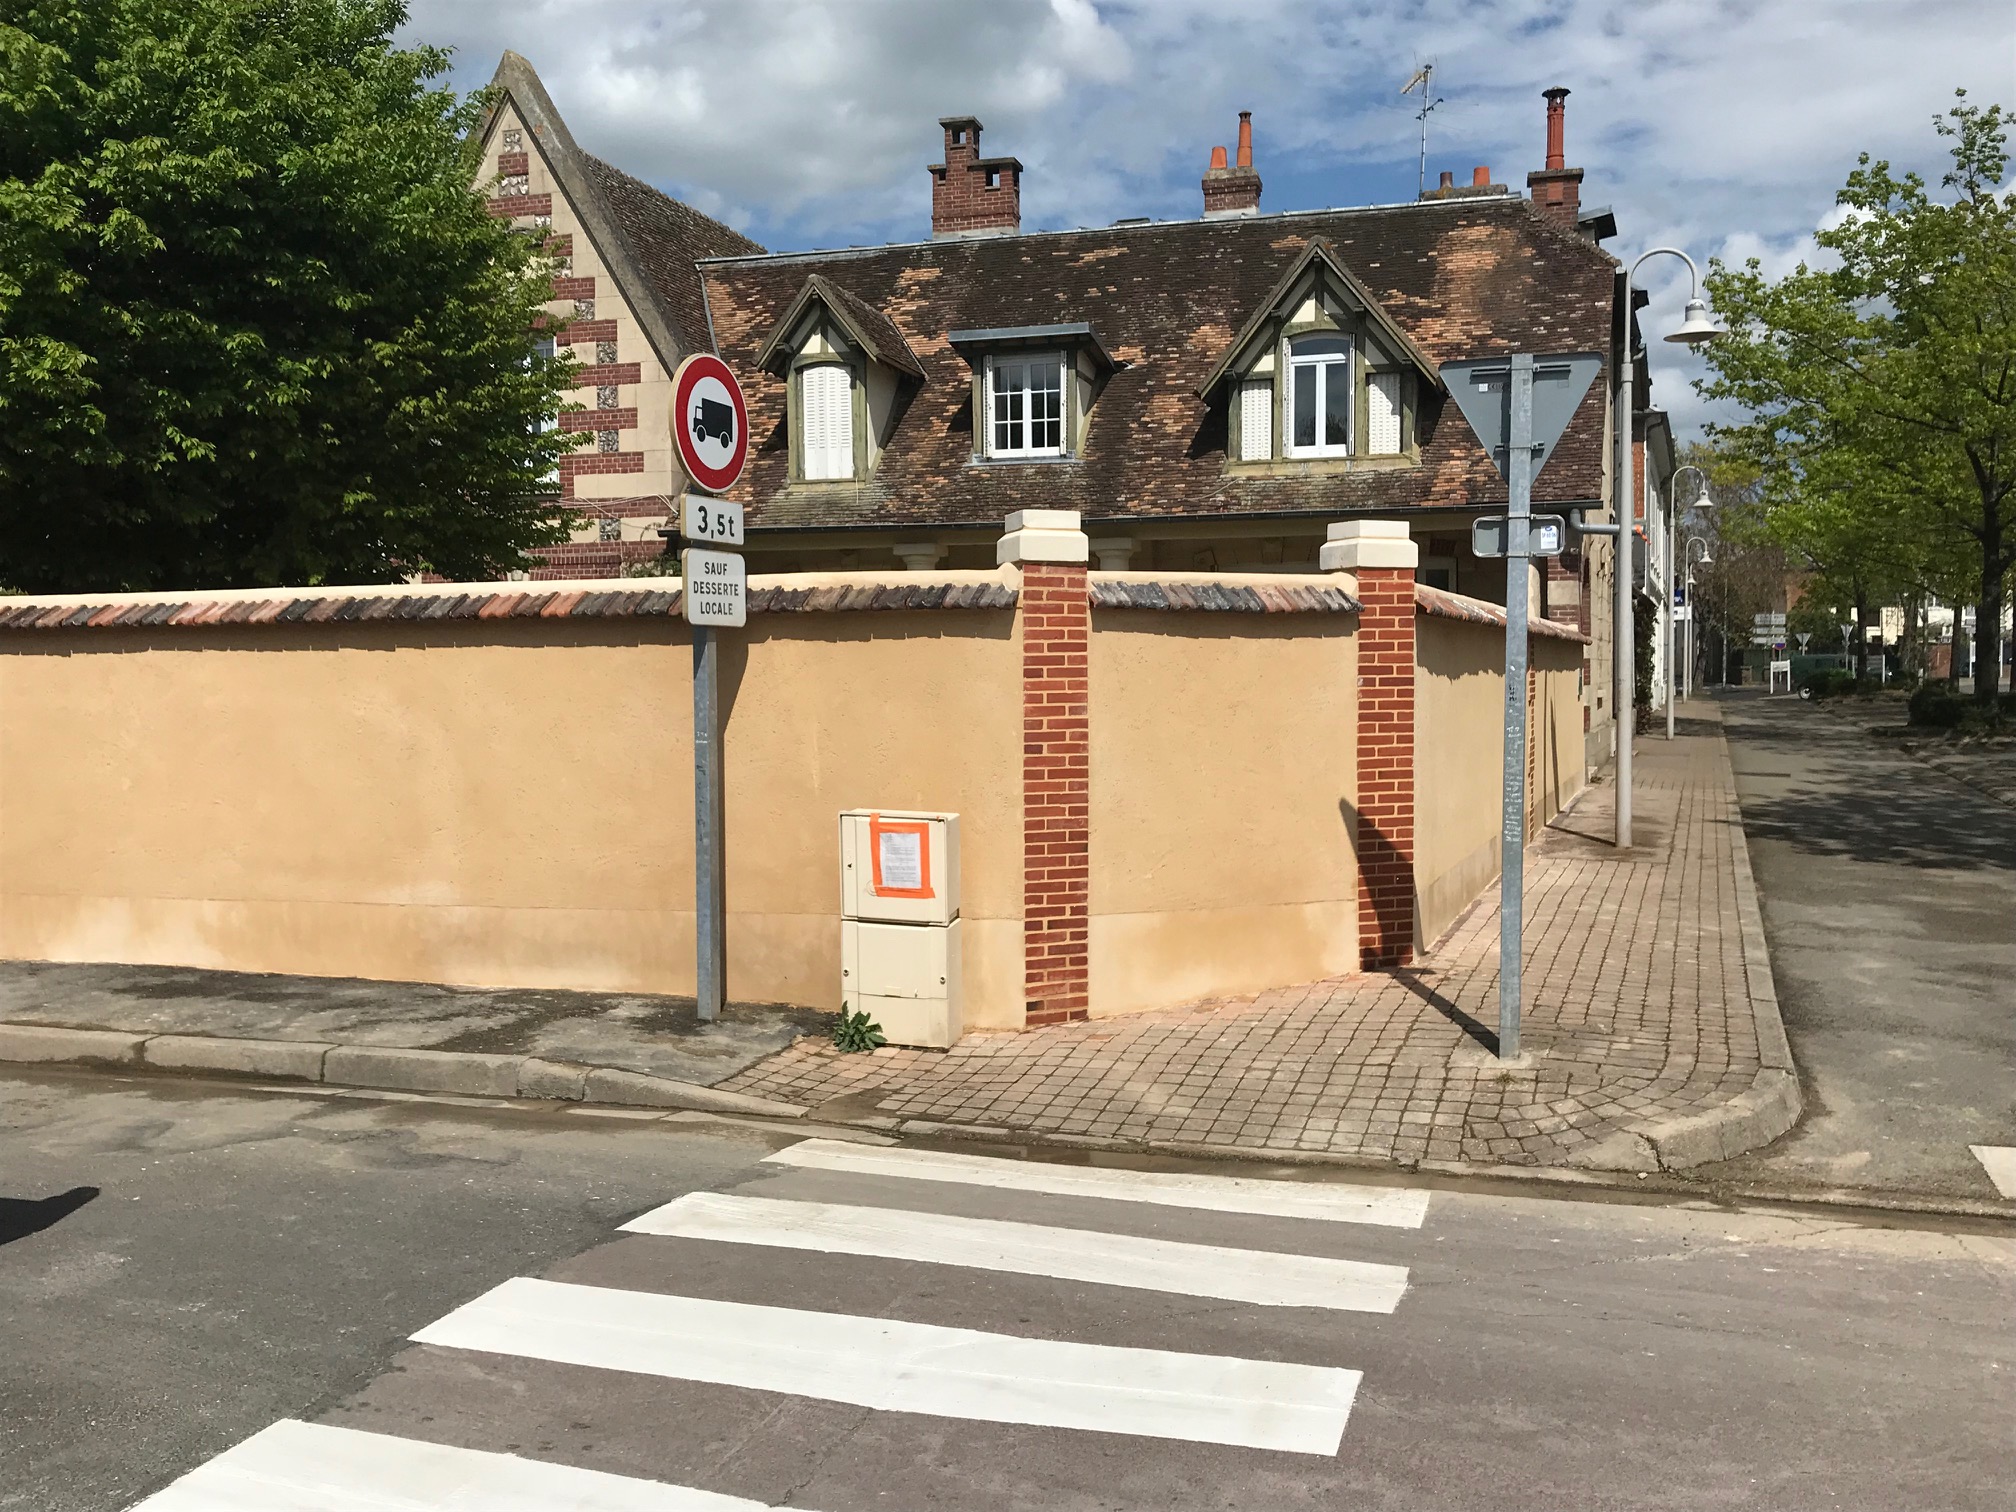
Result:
[[972, 195], [1234, 190], [1557, 188]]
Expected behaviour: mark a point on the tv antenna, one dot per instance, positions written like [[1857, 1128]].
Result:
[[1424, 80]]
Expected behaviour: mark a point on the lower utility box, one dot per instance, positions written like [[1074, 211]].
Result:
[[905, 977]]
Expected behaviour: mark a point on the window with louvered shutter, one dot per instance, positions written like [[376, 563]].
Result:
[[826, 410], [1382, 430], [1256, 420]]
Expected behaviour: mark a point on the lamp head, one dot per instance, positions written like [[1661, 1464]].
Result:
[[1695, 326]]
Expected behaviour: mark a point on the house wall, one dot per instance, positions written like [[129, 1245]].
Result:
[[1459, 724], [1222, 775], [623, 476]]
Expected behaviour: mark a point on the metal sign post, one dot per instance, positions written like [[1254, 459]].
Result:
[[1518, 407], [710, 432], [1512, 845]]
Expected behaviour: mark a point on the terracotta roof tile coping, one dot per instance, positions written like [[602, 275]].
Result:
[[1446, 605], [1224, 592]]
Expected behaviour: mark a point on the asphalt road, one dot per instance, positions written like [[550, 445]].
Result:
[[1889, 900], [243, 1258]]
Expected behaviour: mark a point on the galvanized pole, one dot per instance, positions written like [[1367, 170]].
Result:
[[710, 911], [1512, 843]]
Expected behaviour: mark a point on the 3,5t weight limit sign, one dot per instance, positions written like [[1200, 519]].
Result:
[[717, 522]]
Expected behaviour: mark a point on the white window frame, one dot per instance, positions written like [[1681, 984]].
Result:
[[1024, 451], [805, 449], [1296, 364]]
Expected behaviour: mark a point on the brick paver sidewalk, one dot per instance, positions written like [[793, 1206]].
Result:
[[1640, 1012]]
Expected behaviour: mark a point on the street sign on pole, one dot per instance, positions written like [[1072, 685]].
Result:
[[716, 588], [710, 433], [710, 522], [1546, 535], [1518, 407]]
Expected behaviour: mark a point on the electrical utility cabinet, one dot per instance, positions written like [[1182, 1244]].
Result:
[[899, 923]]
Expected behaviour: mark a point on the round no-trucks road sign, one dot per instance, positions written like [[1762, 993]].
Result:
[[710, 422]]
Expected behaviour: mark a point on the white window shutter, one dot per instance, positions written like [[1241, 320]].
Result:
[[1256, 419], [826, 405], [1382, 395]]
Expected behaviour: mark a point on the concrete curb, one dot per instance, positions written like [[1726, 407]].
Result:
[[464, 1072], [1774, 1101]]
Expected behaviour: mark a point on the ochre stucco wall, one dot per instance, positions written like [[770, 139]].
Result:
[[494, 803], [1459, 740], [1222, 763]]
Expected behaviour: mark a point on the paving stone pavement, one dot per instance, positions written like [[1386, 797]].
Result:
[[1639, 1011]]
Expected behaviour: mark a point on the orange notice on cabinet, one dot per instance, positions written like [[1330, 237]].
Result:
[[900, 857]]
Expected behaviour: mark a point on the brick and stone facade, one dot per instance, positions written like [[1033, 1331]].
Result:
[[1056, 624], [617, 305], [1382, 559]]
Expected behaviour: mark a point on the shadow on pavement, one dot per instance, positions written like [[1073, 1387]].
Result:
[[1878, 810], [22, 1216]]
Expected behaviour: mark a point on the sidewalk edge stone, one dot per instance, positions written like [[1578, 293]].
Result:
[[292, 1060], [634, 1089], [423, 1070], [42, 1044]]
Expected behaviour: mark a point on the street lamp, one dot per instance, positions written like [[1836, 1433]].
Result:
[[1694, 328], [1672, 526], [1691, 564]]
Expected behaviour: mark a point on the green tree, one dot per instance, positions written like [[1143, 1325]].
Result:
[[255, 326], [1882, 391]]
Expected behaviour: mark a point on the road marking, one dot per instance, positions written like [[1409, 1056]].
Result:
[[1395, 1207], [911, 1367], [2000, 1163], [310, 1467], [1198, 1270]]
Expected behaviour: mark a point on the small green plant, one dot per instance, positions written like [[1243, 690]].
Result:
[[857, 1031]]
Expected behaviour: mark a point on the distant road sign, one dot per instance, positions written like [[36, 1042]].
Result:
[[716, 588], [1546, 535], [710, 522], [710, 422]]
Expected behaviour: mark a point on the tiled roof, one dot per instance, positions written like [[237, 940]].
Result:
[[1447, 605], [668, 237], [1246, 598], [1462, 278], [307, 606]]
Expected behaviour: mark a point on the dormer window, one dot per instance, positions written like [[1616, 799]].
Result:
[[1319, 416], [846, 368], [1025, 406], [1320, 374]]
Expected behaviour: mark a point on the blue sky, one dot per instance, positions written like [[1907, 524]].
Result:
[[1723, 128]]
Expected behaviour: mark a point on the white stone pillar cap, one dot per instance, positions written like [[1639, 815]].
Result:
[[1043, 535], [1355, 545]]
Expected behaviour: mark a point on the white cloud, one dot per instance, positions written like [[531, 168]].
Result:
[[1721, 126]]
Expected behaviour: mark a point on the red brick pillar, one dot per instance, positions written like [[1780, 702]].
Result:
[[1056, 624], [1383, 558]]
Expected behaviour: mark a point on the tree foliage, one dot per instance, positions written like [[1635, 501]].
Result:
[[1882, 389], [255, 326]]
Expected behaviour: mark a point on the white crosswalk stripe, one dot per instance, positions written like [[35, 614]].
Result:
[[309, 1467], [1199, 1270], [910, 1367], [1394, 1207], [882, 1363]]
